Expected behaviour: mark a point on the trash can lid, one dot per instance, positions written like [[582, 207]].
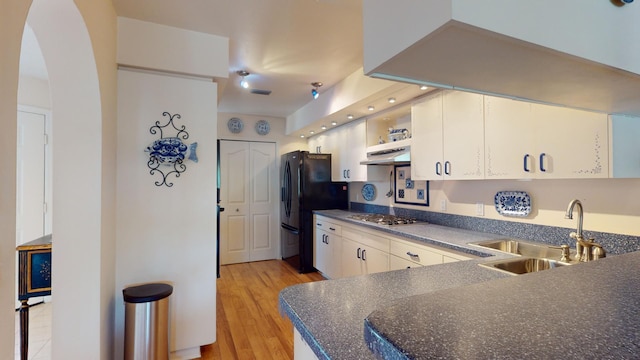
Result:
[[146, 292]]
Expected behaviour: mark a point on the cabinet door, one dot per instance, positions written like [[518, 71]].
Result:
[[624, 146], [321, 252], [351, 258], [463, 135], [570, 143], [355, 150], [509, 141], [426, 139], [374, 260]]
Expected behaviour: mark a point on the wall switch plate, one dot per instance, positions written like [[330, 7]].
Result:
[[480, 209], [443, 205]]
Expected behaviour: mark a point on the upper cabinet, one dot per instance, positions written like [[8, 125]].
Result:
[[503, 47], [624, 155], [448, 137], [528, 140], [347, 146]]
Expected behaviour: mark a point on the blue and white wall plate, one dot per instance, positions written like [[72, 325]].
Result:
[[369, 192], [513, 203], [235, 125], [263, 127]]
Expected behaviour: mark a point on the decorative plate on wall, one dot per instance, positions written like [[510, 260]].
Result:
[[512, 203], [263, 127], [369, 192], [235, 125]]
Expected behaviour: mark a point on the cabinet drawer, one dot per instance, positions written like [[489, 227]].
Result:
[[329, 227], [397, 263], [367, 239], [415, 253]]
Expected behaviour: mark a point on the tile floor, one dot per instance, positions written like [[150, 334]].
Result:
[[39, 332]]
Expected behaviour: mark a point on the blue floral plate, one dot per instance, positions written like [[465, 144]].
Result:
[[512, 203], [369, 192]]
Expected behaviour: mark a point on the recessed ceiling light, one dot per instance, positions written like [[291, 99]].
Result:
[[424, 87], [349, 116], [334, 123], [312, 132], [371, 108], [302, 136], [323, 127], [392, 100]]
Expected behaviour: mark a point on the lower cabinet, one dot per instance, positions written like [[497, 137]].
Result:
[[360, 259], [344, 249], [327, 247]]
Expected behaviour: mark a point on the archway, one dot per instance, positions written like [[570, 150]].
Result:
[[82, 319]]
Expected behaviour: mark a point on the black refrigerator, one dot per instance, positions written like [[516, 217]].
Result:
[[306, 185]]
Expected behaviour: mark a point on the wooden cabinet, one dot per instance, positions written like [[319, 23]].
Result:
[[528, 140], [624, 151], [327, 247], [448, 137]]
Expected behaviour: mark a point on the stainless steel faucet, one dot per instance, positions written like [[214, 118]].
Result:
[[586, 250]]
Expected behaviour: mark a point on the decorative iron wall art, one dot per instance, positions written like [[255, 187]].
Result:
[[168, 153]]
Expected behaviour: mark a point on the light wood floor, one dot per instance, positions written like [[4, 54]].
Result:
[[249, 325]]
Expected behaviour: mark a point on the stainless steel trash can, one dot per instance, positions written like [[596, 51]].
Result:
[[146, 331]]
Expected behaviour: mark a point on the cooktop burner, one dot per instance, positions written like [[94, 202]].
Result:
[[384, 219]]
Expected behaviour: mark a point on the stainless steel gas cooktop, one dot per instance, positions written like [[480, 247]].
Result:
[[384, 219]]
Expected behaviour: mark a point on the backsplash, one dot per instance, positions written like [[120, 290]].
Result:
[[613, 243]]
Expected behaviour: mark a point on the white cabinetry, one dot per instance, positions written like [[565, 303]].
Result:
[[624, 152], [448, 137], [363, 253], [527, 140], [347, 146], [344, 249], [327, 248]]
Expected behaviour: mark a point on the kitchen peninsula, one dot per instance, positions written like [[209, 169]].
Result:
[[467, 311]]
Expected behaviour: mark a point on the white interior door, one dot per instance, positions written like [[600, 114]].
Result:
[[30, 182], [264, 201], [249, 194]]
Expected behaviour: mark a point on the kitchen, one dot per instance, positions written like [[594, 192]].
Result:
[[461, 198]]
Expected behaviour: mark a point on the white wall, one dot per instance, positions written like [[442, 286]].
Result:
[[168, 234], [610, 205], [285, 143], [34, 92], [12, 20]]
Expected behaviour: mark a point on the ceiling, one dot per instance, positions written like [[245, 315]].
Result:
[[285, 44]]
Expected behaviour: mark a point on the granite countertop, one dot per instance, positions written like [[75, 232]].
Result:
[[585, 311], [434, 311], [330, 314]]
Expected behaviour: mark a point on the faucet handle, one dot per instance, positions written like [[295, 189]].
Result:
[[574, 235], [598, 252], [566, 253]]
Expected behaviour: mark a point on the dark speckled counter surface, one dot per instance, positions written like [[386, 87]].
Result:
[[462, 310]]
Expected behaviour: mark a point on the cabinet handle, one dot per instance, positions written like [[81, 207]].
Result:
[[344, 174], [318, 149], [359, 253], [319, 224], [526, 162], [542, 156], [364, 253], [438, 168], [447, 168], [412, 254], [332, 229], [327, 240], [348, 173]]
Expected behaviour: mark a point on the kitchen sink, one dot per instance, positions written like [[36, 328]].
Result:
[[523, 265], [522, 248]]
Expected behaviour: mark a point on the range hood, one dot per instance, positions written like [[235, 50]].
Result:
[[389, 154], [501, 48]]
